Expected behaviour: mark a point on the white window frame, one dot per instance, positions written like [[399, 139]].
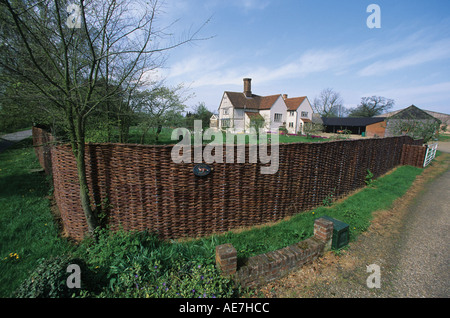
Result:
[[278, 118]]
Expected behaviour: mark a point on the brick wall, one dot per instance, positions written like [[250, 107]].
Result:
[[263, 268], [376, 129]]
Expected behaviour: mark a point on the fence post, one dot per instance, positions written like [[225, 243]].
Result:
[[226, 259], [323, 231]]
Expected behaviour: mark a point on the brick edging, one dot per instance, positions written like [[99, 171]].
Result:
[[263, 268]]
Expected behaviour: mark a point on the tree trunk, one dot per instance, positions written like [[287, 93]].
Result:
[[158, 131], [89, 213], [124, 128], [79, 150]]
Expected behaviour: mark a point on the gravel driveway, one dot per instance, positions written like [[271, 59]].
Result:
[[410, 244], [444, 146], [424, 259]]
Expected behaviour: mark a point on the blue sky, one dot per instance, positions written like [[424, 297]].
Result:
[[300, 47]]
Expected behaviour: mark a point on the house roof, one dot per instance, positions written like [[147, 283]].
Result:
[[316, 118], [351, 121], [444, 118], [239, 100], [254, 116], [294, 103]]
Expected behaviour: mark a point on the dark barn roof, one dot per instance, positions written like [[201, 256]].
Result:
[[351, 121], [356, 125], [413, 112]]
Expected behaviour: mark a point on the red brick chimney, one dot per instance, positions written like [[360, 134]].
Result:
[[248, 87], [285, 96]]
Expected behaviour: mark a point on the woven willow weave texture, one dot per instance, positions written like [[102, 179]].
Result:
[[139, 187]]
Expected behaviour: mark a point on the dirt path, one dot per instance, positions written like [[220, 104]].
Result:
[[444, 146], [11, 139], [409, 242]]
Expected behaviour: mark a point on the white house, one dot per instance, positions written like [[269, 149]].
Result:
[[240, 111], [214, 121], [299, 112]]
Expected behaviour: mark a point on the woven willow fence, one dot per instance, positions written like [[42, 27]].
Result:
[[140, 188]]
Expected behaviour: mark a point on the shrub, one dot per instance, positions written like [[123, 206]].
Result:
[[328, 200], [49, 279], [183, 279], [368, 179], [283, 130], [138, 264]]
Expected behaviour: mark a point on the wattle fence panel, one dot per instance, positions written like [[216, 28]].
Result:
[[139, 187]]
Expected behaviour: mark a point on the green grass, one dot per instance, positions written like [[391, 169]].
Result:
[[444, 137], [355, 210], [165, 138], [28, 229]]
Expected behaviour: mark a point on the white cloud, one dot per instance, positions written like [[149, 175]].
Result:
[[253, 4], [247, 5], [202, 68], [422, 96], [218, 69], [426, 53]]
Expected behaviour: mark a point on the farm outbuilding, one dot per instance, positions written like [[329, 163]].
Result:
[[367, 126]]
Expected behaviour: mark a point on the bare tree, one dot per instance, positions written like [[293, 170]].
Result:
[[64, 49], [328, 104]]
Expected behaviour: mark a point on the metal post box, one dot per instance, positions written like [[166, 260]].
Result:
[[340, 233]]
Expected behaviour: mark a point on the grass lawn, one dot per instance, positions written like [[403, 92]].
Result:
[[27, 229], [356, 210], [28, 233], [166, 134], [444, 137]]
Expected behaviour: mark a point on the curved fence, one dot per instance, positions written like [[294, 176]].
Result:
[[139, 187]]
